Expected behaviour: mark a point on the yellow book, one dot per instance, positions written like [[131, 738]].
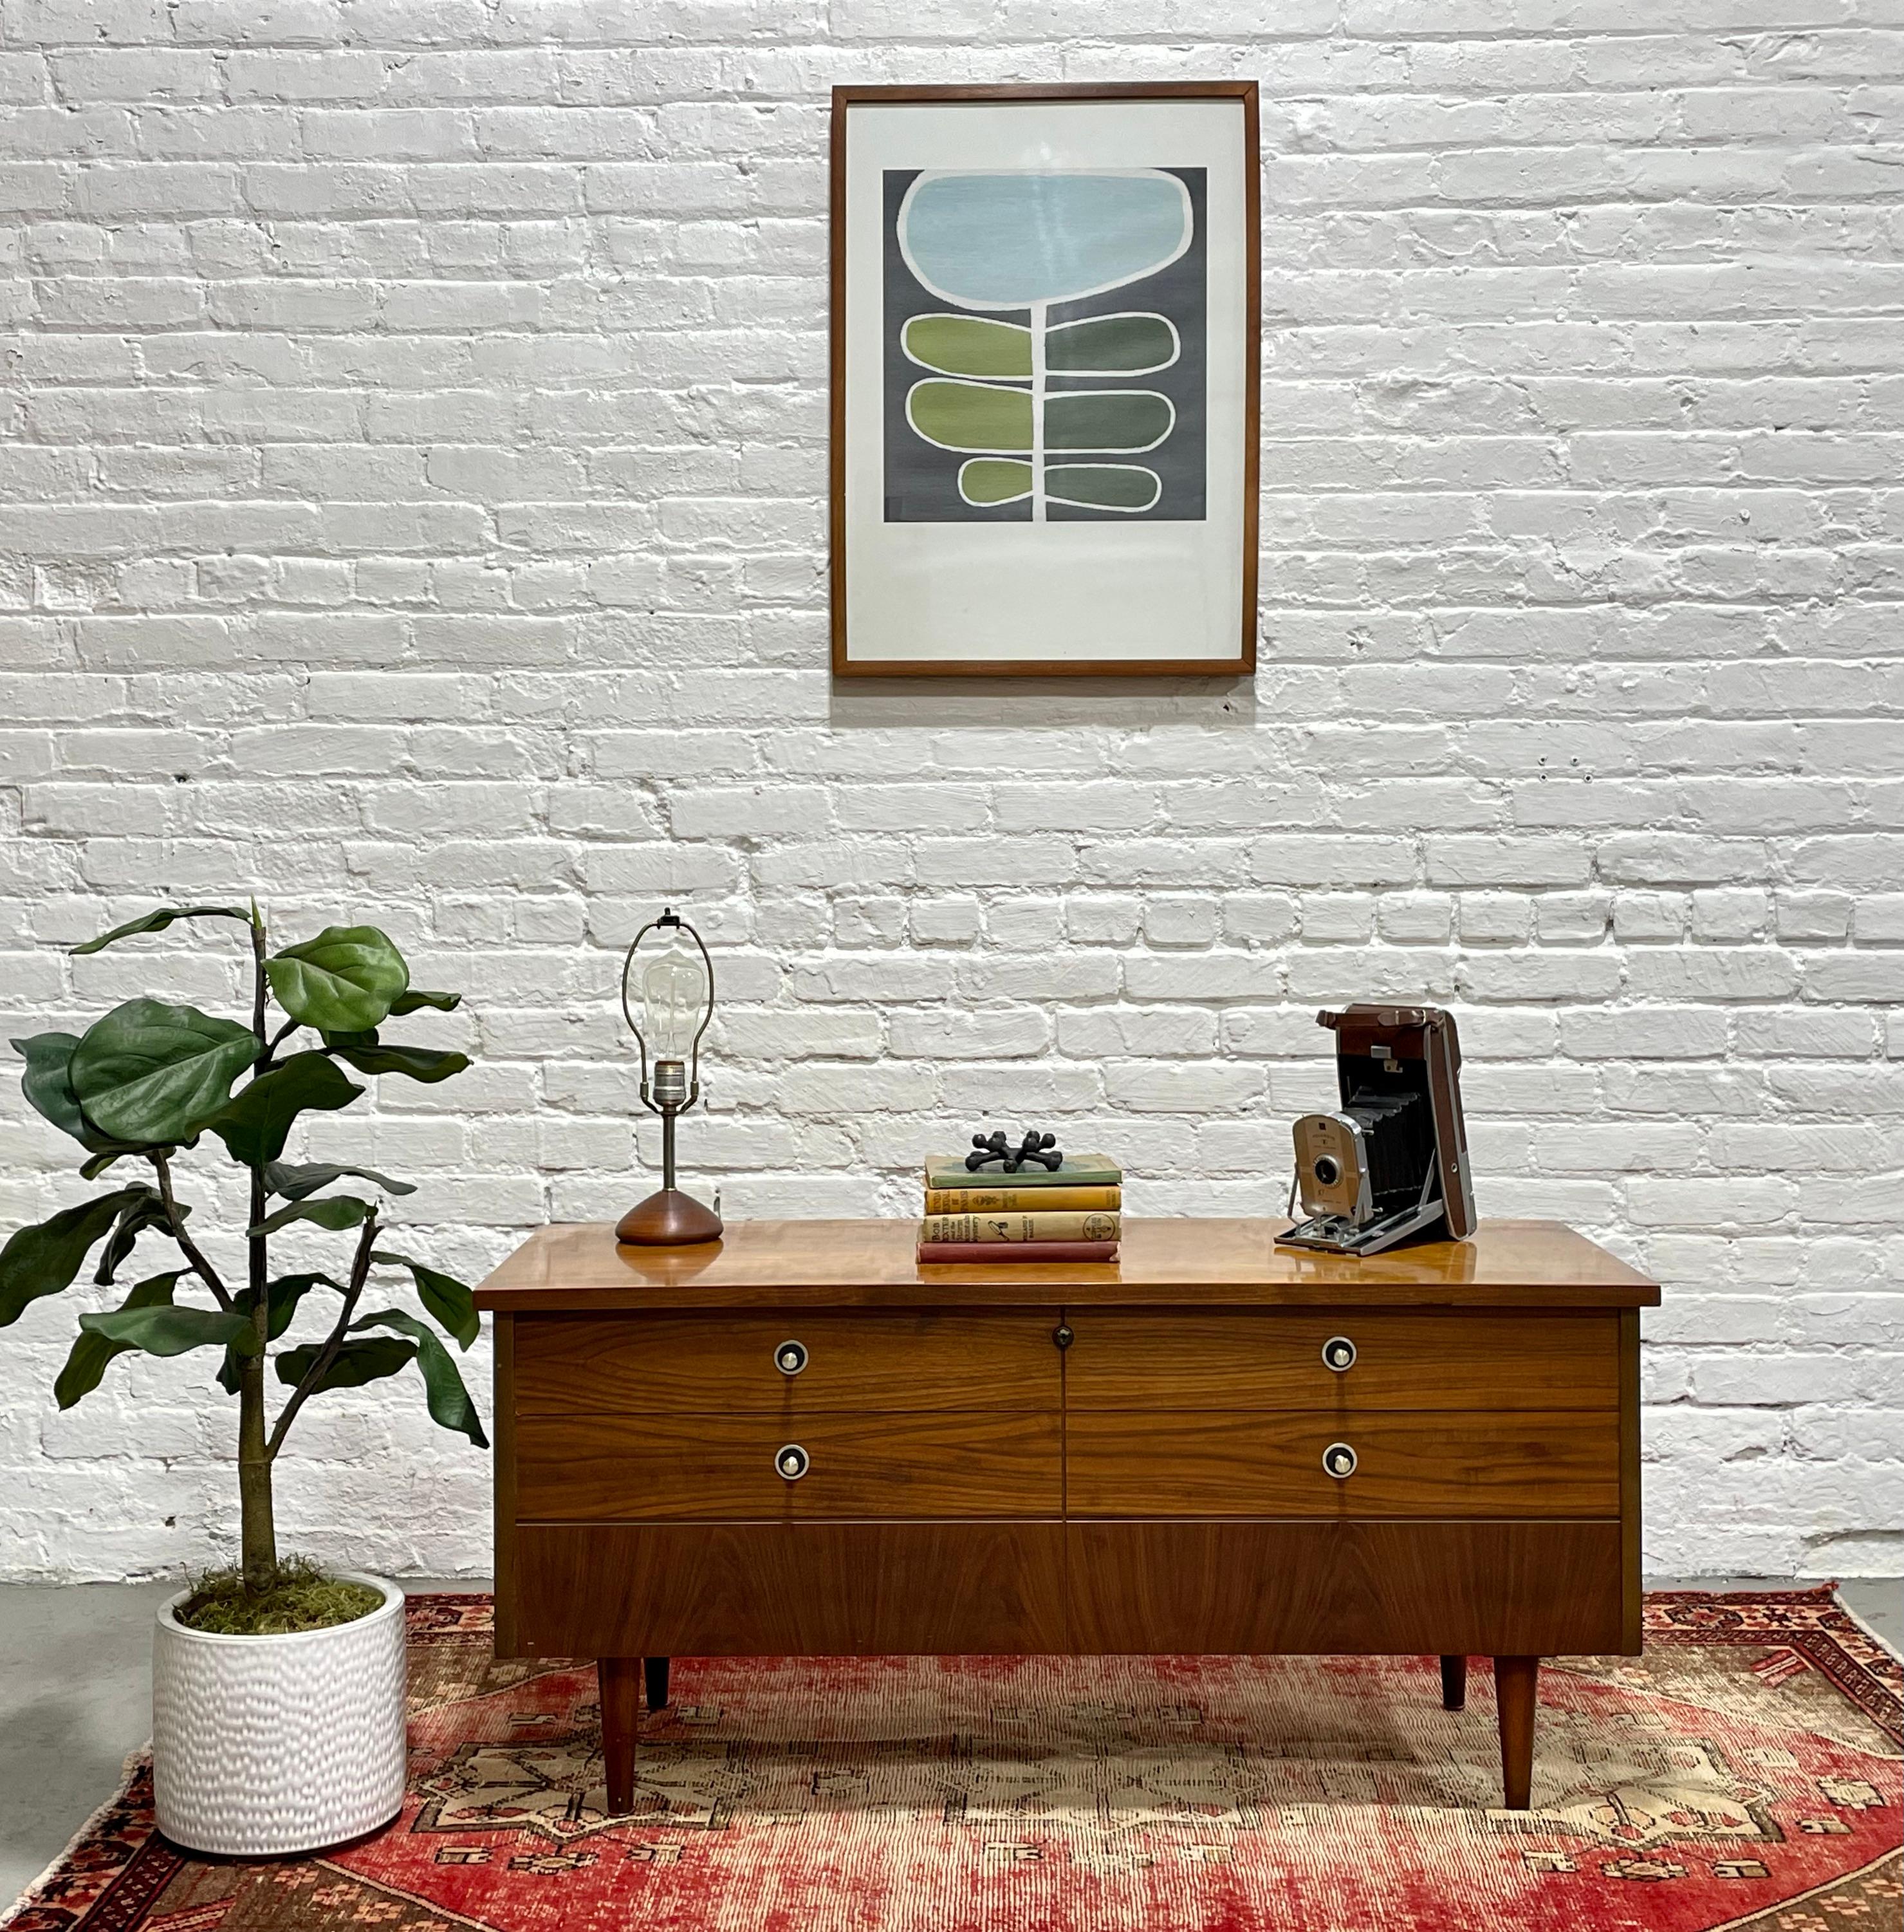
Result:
[[1022, 1200], [1021, 1228]]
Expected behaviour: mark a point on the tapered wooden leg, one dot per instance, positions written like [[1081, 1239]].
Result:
[[620, 1680], [1454, 1683], [655, 1669], [1515, 1681]]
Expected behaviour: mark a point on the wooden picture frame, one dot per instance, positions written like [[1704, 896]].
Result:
[[1000, 257]]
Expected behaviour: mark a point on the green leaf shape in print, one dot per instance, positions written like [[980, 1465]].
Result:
[[346, 980], [255, 1125], [447, 1299], [968, 345], [87, 1360], [164, 1329], [294, 1183], [970, 416], [1120, 422], [335, 1211], [414, 1001], [1112, 345], [991, 480], [418, 1063], [157, 920], [369, 1359], [151, 1072], [442, 1383], [1104, 486], [44, 1259]]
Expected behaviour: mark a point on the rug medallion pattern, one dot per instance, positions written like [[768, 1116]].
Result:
[[1745, 1772]]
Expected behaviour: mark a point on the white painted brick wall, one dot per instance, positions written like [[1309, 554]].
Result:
[[413, 475]]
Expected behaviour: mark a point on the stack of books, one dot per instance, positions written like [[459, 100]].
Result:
[[1071, 1214]]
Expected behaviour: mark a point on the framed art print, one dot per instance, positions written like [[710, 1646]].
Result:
[[1045, 314]]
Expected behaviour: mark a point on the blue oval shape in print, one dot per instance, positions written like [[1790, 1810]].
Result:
[[1007, 241]]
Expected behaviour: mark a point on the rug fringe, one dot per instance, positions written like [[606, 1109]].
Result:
[[128, 1770], [1883, 1642]]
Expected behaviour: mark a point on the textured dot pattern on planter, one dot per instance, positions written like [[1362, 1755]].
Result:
[[268, 1745]]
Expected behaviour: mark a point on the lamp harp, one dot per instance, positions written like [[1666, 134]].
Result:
[[672, 985]]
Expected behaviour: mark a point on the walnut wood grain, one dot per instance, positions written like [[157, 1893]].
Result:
[[586, 1467], [502, 1455], [618, 1680], [803, 1589], [1272, 1359], [1136, 1463], [1455, 1588], [856, 1364], [1515, 1683], [798, 1265]]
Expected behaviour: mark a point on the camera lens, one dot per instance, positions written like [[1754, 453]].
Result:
[[1326, 1170]]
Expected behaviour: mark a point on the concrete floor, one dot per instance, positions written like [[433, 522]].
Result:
[[75, 1697]]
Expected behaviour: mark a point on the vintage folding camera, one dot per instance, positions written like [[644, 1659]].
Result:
[[1392, 1161]]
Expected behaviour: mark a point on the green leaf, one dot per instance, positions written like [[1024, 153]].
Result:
[[151, 1072], [166, 1331], [86, 1363], [449, 1400], [989, 480], [295, 1183], [346, 979], [368, 1359], [1104, 486], [255, 1125], [419, 1062], [157, 921], [284, 1294], [46, 1081], [1115, 421], [335, 1211], [414, 1001], [43, 1259], [968, 345], [147, 1212], [970, 416], [1111, 345], [446, 1298]]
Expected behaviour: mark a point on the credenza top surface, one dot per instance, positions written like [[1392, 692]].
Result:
[[578, 1267]]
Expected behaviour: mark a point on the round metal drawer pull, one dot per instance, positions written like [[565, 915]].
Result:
[[792, 1461], [791, 1357], [1338, 1353], [1339, 1459]]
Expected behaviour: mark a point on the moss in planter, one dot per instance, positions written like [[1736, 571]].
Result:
[[303, 1598]]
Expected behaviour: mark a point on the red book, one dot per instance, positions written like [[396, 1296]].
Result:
[[1017, 1254]]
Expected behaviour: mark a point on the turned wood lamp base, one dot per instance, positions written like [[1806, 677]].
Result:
[[668, 1219]]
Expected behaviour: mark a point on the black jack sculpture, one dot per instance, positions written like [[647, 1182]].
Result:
[[1042, 1148]]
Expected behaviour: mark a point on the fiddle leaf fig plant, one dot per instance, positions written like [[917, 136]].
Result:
[[149, 1081]]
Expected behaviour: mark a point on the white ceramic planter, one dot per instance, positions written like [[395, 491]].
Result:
[[264, 1745]]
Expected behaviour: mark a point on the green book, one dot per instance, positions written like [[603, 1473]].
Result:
[[1083, 1170]]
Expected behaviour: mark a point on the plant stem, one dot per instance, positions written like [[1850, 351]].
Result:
[[1039, 310], [189, 1248], [257, 1519], [360, 1273]]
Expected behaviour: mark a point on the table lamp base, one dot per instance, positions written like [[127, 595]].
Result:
[[668, 1219]]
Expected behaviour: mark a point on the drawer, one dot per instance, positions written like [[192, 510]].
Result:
[[587, 1467], [1273, 1361], [756, 1589], [720, 1363], [1156, 1463]]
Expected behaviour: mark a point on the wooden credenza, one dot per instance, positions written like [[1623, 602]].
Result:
[[798, 1441]]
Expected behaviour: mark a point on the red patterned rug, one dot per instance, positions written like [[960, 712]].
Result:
[[1744, 1773]]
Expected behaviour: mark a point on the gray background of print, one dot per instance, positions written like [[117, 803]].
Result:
[[922, 482]]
